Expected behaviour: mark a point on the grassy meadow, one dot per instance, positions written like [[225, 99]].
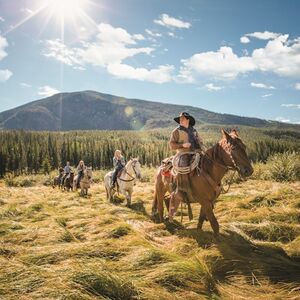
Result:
[[58, 245]]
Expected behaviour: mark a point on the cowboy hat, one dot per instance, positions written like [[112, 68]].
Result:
[[186, 115]]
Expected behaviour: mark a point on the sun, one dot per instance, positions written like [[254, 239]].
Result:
[[67, 8]]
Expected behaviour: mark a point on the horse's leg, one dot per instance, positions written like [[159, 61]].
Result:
[[160, 205], [175, 200], [208, 210], [107, 195], [128, 197], [202, 218], [154, 204]]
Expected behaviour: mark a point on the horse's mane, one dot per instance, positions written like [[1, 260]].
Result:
[[212, 154], [130, 161]]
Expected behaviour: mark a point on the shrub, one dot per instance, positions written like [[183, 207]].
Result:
[[284, 167]]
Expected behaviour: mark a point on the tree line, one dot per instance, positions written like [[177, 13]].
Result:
[[31, 151]]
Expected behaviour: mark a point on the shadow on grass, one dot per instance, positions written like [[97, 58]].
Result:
[[240, 256], [139, 208]]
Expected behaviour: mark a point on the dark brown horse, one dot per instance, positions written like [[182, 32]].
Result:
[[68, 183], [205, 186]]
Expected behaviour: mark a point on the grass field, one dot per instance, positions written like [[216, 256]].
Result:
[[58, 245]]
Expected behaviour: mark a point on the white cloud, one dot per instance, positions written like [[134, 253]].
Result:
[[58, 50], [154, 34], [115, 35], [25, 85], [47, 91], [297, 86], [284, 120], [244, 40], [160, 75], [280, 56], [262, 86], [138, 37], [266, 95], [297, 106], [2, 19], [223, 64], [211, 87], [3, 45], [110, 47], [166, 20], [5, 75], [171, 34], [266, 35]]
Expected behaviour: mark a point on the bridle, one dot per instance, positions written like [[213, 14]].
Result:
[[218, 187], [126, 172], [228, 150]]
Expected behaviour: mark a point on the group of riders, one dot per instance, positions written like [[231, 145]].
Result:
[[184, 138], [65, 172], [118, 163]]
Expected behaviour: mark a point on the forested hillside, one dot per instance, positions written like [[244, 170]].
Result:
[[30, 152]]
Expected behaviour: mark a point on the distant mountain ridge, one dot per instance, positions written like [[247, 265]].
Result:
[[90, 110]]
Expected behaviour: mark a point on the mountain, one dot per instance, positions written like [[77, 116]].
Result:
[[92, 110]]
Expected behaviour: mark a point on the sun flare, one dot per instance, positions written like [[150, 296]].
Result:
[[67, 8]]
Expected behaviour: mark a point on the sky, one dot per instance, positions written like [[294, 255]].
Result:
[[239, 57]]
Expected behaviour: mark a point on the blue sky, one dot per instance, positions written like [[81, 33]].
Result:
[[236, 56]]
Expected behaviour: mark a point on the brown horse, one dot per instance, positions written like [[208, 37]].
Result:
[[163, 186], [68, 183], [205, 186]]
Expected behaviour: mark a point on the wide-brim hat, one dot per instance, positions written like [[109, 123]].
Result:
[[188, 116]]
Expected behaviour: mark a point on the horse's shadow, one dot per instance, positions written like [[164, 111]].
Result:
[[139, 207], [240, 256]]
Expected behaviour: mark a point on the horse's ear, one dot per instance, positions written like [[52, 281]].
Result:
[[234, 131], [225, 134]]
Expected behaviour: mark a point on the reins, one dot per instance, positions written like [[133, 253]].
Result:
[[126, 172]]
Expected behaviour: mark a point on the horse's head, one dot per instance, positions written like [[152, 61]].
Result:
[[88, 172], [235, 153], [136, 166]]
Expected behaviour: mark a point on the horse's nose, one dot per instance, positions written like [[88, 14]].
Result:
[[248, 171]]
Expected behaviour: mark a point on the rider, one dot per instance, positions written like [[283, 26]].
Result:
[[185, 137], [80, 168], [67, 171], [119, 164]]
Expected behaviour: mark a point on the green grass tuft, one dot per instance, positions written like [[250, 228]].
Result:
[[106, 284], [120, 231]]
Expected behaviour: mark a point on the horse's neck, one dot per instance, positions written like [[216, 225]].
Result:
[[127, 172], [214, 165]]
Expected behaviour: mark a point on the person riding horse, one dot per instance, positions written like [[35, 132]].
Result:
[[80, 168], [185, 137], [187, 142], [67, 171], [119, 164]]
